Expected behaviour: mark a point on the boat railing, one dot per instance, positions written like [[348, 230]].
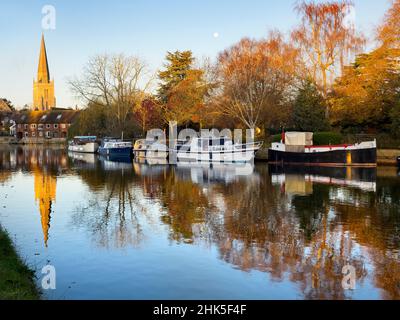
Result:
[[251, 145], [245, 146]]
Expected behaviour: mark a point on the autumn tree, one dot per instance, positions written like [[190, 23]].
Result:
[[309, 109], [117, 82], [186, 99], [182, 90], [256, 79], [389, 31], [326, 38], [366, 94], [6, 105], [148, 114], [93, 120], [175, 70]]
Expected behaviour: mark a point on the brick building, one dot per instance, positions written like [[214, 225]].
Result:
[[36, 125]]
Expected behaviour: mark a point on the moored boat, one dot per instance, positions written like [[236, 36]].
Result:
[[84, 144], [216, 149], [296, 148], [147, 149], [115, 147]]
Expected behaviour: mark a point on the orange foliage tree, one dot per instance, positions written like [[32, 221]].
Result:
[[256, 78], [389, 31], [326, 38], [186, 99]]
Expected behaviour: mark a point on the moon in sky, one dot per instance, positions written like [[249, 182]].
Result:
[[216, 35]]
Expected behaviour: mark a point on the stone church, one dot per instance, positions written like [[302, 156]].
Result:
[[43, 87]]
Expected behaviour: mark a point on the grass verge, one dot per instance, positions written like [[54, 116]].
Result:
[[16, 279]]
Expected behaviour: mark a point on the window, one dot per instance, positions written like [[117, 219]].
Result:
[[40, 133], [40, 126], [56, 126], [33, 126], [19, 126], [33, 134], [48, 126], [63, 126], [26, 134], [48, 134], [55, 135], [25, 126]]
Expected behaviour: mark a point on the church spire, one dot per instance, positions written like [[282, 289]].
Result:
[[43, 75]]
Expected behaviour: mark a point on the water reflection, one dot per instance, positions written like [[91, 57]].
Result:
[[110, 214], [44, 164], [295, 225], [45, 186]]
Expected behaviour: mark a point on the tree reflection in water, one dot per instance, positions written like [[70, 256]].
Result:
[[305, 235], [112, 212]]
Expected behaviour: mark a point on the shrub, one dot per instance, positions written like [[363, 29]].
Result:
[[327, 138], [276, 138]]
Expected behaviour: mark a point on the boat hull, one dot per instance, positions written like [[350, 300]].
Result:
[[150, 154], [91, 147], [122, 152], [220, 156], [355, 157]]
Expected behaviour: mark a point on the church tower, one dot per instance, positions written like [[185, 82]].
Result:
[[43, 88]]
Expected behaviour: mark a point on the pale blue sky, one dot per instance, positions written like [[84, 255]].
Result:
[[147, 28]]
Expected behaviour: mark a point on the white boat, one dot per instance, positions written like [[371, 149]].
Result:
[[147, 149], [116, 148], [212, 149], [84, 144]]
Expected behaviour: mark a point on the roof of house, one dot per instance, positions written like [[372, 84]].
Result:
[[54, 116]]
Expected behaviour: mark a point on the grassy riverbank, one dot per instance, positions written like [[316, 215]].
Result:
[[16, 279]]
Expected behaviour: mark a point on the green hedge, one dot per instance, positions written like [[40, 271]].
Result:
[[320, 138], [327, 138], [276, 138]]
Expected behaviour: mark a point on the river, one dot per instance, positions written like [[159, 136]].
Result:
[[123, 230]]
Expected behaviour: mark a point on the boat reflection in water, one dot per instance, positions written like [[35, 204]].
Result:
[[299, 181], [115, 162], [83, 159], [203, 173], [204, 231]]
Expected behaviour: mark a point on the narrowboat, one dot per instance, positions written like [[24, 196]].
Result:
[[296, 148]]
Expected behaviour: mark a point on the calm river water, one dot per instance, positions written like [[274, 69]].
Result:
[[153, 231]]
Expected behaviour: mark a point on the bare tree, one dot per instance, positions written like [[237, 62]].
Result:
[[118, 82]]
